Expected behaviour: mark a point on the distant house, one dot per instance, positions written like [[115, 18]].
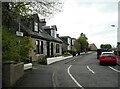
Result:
[[92, 47], [72, 44], [67, 42], [44, 43]]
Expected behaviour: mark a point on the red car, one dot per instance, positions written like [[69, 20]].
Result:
[[108, 57]]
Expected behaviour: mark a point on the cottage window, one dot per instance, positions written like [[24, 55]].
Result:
[[35, 26], [57, 48], [41, 47], [37, 46], [53, 33]]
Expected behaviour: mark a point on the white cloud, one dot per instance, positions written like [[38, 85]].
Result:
[[93, 19]]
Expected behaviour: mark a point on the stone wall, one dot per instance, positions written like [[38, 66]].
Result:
[[11, 73]]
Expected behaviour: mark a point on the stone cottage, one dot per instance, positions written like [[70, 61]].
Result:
[[44, 43]]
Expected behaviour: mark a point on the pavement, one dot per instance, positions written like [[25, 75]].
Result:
[[56, 59]]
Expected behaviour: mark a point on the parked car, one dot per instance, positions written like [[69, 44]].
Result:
[[99, 51], [108, 57]]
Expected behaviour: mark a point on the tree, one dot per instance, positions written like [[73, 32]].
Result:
[[77, 45], [46, 8], [105, 46], [14, 10], [23, 10], [82, 40]]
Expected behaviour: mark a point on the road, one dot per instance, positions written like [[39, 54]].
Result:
[[81, 71]]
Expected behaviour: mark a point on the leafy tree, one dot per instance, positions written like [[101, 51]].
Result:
[[24, 10], [106, 46], [77, 45], [14, 10], [83, 41]]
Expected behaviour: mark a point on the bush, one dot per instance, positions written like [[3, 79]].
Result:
[[42, 59], [11, 49], [25, 48], [57, 55], [9, 45], [66, 54], [71, 52]]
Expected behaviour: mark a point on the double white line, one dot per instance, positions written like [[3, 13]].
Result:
[[73, 77], [90, 70]]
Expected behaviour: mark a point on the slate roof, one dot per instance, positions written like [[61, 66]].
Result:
[[64, 40], [41, 35], [27, 30]]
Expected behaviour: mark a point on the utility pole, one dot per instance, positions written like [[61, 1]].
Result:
[[20, 34], [118, 40], [19, 40]]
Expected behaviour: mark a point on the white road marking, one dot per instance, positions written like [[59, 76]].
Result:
[[53, 80], [73, 77], [90, 70], [113, 69]]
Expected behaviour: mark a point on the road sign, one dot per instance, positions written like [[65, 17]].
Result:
[[19, 33]]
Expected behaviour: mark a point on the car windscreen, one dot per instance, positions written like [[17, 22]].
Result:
[[107, 54]]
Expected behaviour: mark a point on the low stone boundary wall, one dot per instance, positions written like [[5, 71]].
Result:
[[11, 73], [55, 59]]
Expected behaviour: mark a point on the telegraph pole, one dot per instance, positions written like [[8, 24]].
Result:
[[20, 34]]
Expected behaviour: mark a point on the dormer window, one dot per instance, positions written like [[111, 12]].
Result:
[[53, 33], [36, 26]]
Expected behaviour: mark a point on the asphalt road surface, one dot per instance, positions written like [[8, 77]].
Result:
[[83, 72]]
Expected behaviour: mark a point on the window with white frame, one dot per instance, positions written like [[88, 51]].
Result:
[[41, 47], [37, 46], [36, 26]]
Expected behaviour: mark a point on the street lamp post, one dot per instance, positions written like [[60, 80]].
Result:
[[118, 40]]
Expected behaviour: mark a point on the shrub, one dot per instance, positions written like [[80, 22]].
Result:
[[9, 46], [11, 49], [42, 59], [25, 48], [70, 51], [66, 54]]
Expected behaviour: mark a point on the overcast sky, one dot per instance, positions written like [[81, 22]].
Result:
[[91, 17]]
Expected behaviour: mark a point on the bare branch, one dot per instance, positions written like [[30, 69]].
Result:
[[46, 8]]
